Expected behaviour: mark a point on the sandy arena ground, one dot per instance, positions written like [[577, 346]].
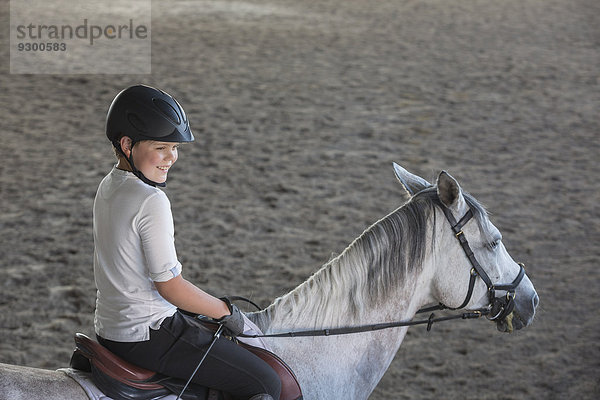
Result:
[[299, 108]]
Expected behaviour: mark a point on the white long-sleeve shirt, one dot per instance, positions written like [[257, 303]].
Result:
[[133, 247]]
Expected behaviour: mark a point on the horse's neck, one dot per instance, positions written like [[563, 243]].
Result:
[[348, 366]]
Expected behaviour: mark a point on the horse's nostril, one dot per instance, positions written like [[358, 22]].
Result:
[[536, 301]]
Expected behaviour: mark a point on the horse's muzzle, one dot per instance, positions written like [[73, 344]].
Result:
[[519, 316]]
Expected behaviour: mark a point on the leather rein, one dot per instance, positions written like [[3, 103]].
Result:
[[498, 309]]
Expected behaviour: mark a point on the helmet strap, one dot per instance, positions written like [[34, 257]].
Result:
[[135, 171]]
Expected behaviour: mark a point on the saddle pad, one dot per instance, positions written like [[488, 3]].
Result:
[[84, 379], [251, 329]]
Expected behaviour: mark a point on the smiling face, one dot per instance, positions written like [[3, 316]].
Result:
[[151, 158]]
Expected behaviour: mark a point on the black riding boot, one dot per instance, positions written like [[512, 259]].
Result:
[[261, 397]]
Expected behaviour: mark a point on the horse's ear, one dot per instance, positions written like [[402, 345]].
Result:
[[449, 192], [410, 182]]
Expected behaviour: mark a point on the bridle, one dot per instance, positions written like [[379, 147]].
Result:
[[498, 308]]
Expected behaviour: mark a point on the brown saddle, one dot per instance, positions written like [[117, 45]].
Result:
[[120, 379]]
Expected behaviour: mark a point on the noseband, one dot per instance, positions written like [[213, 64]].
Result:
[[499, 307]]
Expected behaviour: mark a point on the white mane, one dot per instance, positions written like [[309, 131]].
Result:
[[377, 261]]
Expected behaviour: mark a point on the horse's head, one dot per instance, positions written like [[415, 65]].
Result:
[[473, 268]]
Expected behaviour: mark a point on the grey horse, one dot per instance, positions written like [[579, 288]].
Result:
[[408, 259]]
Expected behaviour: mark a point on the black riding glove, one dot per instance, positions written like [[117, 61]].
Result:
[[234, 323]]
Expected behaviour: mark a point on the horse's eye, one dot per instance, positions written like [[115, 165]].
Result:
[[495, 244]]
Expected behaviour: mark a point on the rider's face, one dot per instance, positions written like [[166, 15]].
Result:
[[153, 159]]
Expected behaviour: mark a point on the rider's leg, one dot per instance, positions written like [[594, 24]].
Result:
[[177, 347]]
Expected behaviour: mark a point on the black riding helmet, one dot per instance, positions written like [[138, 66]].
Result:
[[146, 113]]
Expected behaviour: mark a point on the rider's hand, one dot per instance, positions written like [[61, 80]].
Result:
[[234, 322]]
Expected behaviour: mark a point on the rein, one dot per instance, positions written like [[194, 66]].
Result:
[[498, 309], [373, 327]]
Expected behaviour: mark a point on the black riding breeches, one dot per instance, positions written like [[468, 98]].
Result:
[[176, 348]]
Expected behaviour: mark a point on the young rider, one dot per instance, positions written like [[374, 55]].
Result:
[[138, 277]]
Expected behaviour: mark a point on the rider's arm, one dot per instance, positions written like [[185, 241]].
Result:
[[187, 296]]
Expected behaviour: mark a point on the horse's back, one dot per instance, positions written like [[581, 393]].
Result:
[[24, 383]]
